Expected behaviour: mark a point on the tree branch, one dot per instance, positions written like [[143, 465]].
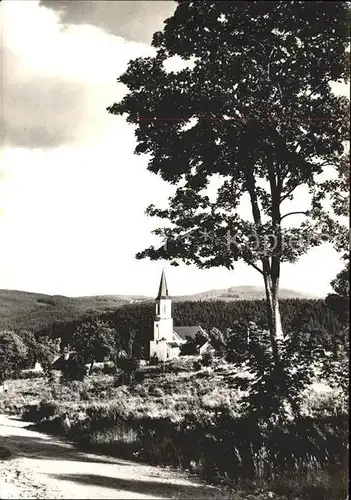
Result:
[[282, 198], [293, 213], [254, 266]]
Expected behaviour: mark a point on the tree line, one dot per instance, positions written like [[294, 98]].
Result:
[[299, 316]]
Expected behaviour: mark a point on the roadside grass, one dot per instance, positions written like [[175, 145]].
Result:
[[192, 419]]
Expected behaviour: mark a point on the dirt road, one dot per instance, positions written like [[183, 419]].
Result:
[[43, 466]]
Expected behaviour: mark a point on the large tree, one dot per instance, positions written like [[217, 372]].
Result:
[[252, 109], [339, 300], [93, 341]]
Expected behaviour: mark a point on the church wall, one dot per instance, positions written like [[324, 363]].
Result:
[[163, 328], [160, 349]]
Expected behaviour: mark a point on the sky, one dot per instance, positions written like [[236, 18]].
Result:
[[72, 193]]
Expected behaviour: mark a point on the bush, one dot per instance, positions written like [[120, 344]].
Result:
[[97, 370], [153, 370], [207, 359], [118, 379], [156, 391], [182, 364], [153, 360], [128, 366], [73, 370], [31, 375], [39, 412], [197, 365], [109, 369], [52, 376], [139, 377]]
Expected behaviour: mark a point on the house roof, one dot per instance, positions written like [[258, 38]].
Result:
[[186, 332], [173, 344], [163, 289], [59, 359]]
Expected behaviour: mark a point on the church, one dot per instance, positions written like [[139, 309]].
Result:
[[169, 339]]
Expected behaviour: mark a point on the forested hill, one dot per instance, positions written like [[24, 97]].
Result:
[[298, 315], [59, 316], [241, 293], [37, 311]]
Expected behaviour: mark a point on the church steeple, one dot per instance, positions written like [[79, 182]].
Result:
[[163, 289], [163, 345]]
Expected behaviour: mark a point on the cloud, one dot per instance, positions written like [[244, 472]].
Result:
[[132, 20], [57, 80], [41, 112], [73, 194]]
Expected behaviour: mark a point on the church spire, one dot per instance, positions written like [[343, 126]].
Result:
[[163, 290]]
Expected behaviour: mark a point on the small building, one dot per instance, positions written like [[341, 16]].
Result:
[[37, 369], [195, 338], [60, 360], [168, 340]]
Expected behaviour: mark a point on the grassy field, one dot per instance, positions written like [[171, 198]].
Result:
[[192, 419]]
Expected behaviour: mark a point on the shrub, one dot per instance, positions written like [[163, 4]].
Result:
[[139, 377], [155, 391], [128, 365], [118, 379], [97, 370], [39, 412], [52, 376], [207, 358], [73, 369], [153, 370], [181, 364], [109, 369], [30, 374], [153, 360], [197, 365]]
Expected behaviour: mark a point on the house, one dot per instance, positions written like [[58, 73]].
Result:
[[60, 360], [195, 338], [37, 368], [168, 339]]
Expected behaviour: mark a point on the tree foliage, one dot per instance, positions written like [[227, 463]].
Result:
[[41, 349], [14, 353], [301, 317], [254, 111], [93, 341], [339, 301]]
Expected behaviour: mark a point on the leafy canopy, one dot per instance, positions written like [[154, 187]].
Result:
[[93, 341], [253, 109]]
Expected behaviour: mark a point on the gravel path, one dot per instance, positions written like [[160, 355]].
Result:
[[42, 466]]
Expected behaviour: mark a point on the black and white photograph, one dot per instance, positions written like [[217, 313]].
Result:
[[174, 249]]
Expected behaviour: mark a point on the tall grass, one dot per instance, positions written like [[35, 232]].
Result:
[[194, 420]]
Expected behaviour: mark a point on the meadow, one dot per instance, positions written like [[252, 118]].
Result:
[[192, 416]]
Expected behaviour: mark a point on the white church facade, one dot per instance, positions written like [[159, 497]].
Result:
[[168, 340]]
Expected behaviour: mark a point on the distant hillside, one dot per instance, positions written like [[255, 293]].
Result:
[[241, 293], [36, 311]]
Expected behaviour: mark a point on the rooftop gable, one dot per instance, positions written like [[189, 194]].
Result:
[[188, 332]]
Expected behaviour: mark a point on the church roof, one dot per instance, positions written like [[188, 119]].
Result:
[[163, 290], [173, 343], [186, 332]]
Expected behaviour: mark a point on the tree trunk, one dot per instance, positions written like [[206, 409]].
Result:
[[91, 367], [273, 314]]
